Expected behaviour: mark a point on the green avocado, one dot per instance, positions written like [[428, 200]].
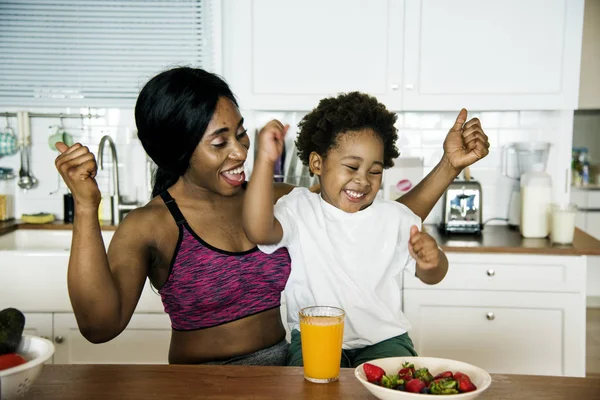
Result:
[[12, 322]]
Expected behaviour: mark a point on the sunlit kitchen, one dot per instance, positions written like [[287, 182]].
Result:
[[520, 226]]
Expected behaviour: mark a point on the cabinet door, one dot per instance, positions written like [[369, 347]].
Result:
[[494, 55], [145, 341], [512, 333], [287, 55], [39, 324], [593, 224]]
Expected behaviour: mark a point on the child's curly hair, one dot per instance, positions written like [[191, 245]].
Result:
[[352, 111]]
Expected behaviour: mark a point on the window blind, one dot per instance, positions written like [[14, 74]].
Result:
[[95, 53]]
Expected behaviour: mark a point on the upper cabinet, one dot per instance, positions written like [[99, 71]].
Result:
[[491, 54], [411, 54], [287, 55], [589, 88]]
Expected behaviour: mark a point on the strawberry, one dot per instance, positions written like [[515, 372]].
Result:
[[407, 372], [445, 374], [414, 385], [11, 360], [373, 373], [465, 384], [459, 374]]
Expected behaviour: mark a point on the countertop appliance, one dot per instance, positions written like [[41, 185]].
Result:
[[462, 212]]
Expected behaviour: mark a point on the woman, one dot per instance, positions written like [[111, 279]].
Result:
[[221, 293]]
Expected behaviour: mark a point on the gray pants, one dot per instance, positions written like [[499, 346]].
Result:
[[271, 356]]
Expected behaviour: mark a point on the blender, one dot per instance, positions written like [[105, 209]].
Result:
[[520, 158]]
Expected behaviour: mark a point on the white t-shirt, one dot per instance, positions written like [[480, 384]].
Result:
[[349, 260]]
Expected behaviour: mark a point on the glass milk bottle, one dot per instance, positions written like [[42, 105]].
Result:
[[536, 195]]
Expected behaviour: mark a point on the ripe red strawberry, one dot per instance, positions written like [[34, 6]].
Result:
[[465, 384], [458, 375], [445, 374], [414, 385], [373, 373]]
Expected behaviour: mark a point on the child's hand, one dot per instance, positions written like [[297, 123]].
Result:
[[424, 249], [271, 141]]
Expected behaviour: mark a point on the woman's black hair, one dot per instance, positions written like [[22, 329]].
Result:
[[352, 111], [172, 113]]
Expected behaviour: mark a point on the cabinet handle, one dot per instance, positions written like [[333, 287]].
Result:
[[59, 339], [395, 86], [410, 86], [490, 316], [491, 272]]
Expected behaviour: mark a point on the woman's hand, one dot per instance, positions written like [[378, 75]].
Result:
[[77, 166], [271, 141], [466, 143]]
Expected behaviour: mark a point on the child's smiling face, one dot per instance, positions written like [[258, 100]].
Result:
[[351, 172]]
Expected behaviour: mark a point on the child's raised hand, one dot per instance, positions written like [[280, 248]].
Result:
[[271, 140], [423, 248]]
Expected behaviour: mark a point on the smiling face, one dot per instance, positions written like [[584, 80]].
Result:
[[218, 161], [351, 172]]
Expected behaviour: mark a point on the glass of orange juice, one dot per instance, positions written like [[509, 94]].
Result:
[[322, 334]]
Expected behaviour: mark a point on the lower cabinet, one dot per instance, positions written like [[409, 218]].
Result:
[[513, 314], [502, 332], [145, 340]]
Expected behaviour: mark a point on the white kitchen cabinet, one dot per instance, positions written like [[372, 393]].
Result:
[[39, 324], [145, 341], [411, 54], [288, 55], [520, 314], [492, 55]]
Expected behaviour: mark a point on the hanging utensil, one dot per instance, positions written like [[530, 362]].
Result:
[[27, 127], [24, 182]]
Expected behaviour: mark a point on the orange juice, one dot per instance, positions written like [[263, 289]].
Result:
[[322, 334]]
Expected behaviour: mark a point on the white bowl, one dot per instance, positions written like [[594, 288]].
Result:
[[15, 382], [392, 365]]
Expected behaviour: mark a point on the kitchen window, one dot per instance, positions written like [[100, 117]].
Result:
[[99, 53]]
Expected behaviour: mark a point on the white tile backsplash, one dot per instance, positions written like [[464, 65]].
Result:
[[118, 123], [420, 134]]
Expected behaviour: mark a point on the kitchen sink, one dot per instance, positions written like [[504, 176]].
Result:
[[33, 240]]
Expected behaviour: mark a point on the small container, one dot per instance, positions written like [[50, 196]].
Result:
[[563, 223], [7, 194], [68, 208]]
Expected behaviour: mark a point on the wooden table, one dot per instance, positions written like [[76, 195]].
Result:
[[143, 382]]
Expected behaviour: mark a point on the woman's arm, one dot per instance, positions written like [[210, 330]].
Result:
[[103, 290], [465, 144]]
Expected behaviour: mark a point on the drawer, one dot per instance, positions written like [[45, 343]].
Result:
[[510, 273], [594, 199], [579, 198], [516, 333]]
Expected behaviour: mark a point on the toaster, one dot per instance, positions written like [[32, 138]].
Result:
[[461, 211]]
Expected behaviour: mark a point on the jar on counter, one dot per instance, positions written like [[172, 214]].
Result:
[[7, 194], [536, 195]]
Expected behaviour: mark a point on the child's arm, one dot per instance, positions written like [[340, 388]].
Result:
[[465, 144], [432, 263], [260, 225]]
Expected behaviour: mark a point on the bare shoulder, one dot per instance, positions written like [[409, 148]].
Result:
[[147, 223]]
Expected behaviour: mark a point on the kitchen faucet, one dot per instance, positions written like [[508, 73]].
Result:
[[117, 205]]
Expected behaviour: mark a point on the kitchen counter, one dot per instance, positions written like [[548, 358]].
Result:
[[141, 382], [13, 225], [493, 239], [502, 239]]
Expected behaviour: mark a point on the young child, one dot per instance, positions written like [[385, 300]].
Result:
[[348, 248]]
